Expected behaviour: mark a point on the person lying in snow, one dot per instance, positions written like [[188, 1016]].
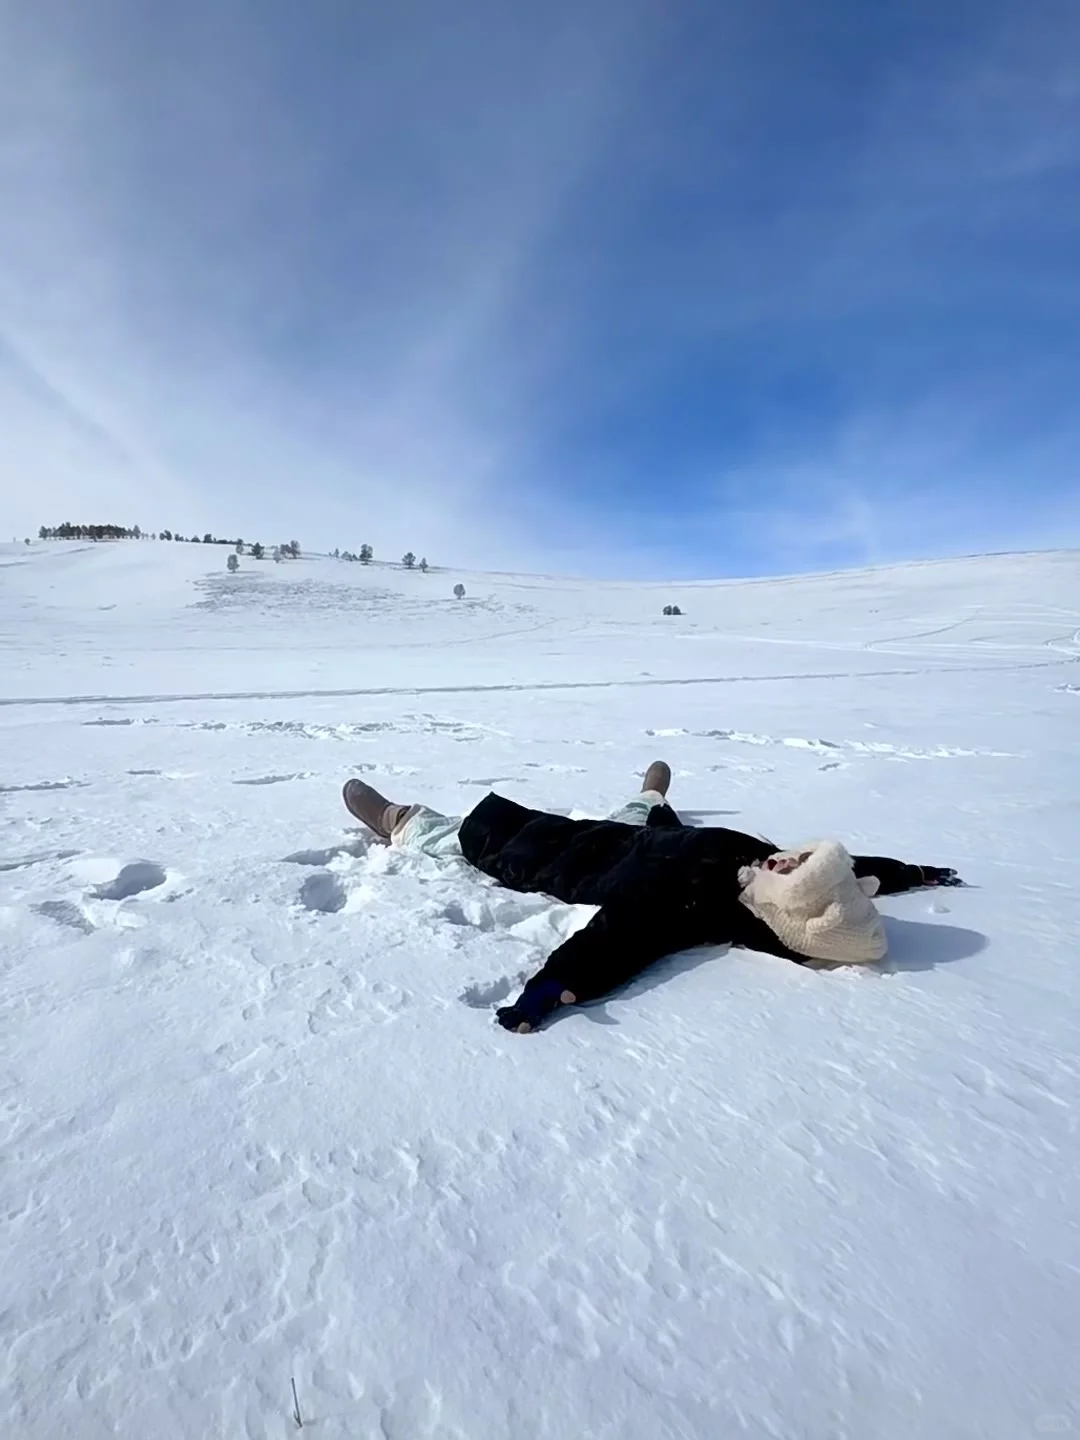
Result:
[[661, 886]]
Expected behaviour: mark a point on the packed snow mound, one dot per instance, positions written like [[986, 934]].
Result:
[[257, 1123]]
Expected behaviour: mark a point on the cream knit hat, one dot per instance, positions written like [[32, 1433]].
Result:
[[818, 909]]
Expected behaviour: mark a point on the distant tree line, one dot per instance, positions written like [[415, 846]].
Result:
[[287, 550], [67, 531], [207, 539]]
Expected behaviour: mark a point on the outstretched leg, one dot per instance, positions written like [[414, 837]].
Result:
[[374, 810], [409, 827], [657, 779], [654, 788]]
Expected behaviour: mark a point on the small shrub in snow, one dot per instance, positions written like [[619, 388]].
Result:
[[459, 592], [424, 565], [233, 564]]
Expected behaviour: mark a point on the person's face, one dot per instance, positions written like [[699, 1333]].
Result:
[[784, 864]]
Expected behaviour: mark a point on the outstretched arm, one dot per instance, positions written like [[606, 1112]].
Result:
[[894, 876], [618, 943]]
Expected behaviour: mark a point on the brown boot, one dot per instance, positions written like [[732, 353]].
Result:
[[372, 809], [658, 777]]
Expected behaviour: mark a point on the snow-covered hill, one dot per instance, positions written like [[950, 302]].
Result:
[[257, 1123]]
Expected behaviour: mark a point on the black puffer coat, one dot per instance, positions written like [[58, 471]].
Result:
[[662, 888]]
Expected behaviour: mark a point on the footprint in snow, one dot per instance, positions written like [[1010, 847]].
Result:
[[132, 879], [127, 720], [43, 785], [324, 893], [276, 779], [355, 848], [66, 912], [25, 861], [103, 880], [481, 995]]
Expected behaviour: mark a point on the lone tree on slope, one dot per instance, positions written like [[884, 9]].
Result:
[[408, 560], [257, 550], [233, 564], [366, 554]]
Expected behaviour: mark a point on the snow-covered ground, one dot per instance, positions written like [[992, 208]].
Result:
[[257, 1122]]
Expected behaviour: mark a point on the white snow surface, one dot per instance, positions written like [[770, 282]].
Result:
[[257, 1122]]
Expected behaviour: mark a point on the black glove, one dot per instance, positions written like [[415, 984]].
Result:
[[510, 1017], [933, 875], [535, 1002]]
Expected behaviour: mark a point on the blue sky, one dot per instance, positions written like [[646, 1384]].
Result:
[[623, 287]]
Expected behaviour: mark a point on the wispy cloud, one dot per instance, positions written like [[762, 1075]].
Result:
[[613, 287], [283, 261]]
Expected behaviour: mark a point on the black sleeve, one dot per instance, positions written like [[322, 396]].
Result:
[[618, 943], [893, 876]]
